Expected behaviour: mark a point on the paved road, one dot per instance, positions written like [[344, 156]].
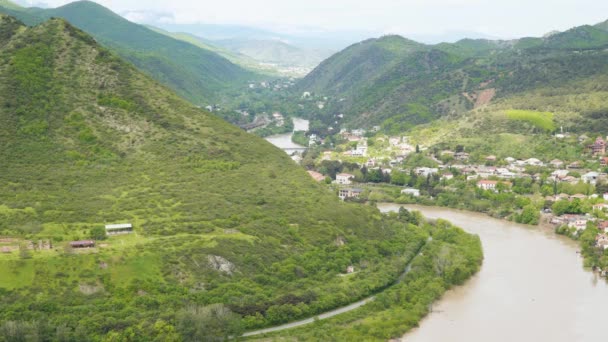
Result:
[[334, 312]]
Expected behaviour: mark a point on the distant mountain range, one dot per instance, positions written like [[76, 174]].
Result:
[[198, 74], [400, 83], [265, 56], [276, 52]]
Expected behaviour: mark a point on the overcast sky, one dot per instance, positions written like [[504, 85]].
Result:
[[493, 18]]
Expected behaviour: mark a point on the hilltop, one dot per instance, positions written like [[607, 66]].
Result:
[[196, 73], [223, 221]]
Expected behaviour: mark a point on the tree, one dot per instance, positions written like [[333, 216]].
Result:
[[417, 148], [98, 233], [214, 322], [529, 215], [560, 207], [24, 251]]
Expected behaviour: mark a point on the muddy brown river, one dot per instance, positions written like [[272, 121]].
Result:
[[531, 287]]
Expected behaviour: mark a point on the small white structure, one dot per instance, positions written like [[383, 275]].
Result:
[[122, 228], [411, 191], [534, 162], [344, 178], [590, 177]]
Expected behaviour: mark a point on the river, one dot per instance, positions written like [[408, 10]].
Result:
[[283, 141], [531, 287]]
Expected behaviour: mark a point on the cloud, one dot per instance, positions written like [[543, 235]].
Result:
[[149, 17]]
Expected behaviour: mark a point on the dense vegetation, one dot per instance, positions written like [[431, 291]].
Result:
[[447, 260], [198, 74], [399, 83], [229, 233]]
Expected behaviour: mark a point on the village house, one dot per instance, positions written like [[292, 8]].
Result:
[[603, 226], [570, 179], [491, 184], [411, 191], [425, 171], [82, 244], [601, 241], [344, 178], [122, 228], [580, 223], [533, 162], [600, 207], [578, 196], [491, 158], [509, 160], [604, 161], [556, 163], [598, 147], [575, 165], [349, 193], [559, 174], [590, 178], [350, 269], [316, 176], [447, 176], [461, 155]]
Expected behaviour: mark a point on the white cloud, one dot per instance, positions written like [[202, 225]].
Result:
[[502, 18]]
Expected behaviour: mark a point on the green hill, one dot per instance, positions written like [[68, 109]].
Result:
[[197, 74], [225, 224], [412, 83]]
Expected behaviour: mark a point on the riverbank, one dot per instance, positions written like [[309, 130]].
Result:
[[284, 141], [531, 279], [337, 311], [450, 258]]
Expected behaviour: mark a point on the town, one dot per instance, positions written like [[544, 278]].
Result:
[[569, 195]]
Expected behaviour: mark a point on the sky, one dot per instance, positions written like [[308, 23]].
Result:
[[411, 18]]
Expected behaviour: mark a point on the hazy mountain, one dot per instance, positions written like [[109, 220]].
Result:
[[198, 74], [275, 51]]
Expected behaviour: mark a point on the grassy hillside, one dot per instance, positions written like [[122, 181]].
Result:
[[229, 234], [520, 125], [399, 83], [197, 74]]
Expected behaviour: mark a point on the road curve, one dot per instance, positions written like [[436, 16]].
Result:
[[334, 312]]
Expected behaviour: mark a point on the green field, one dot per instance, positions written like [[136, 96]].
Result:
[[541, 120]]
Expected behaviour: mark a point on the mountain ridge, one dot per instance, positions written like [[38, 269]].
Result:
[[401, 83], [197, 74]]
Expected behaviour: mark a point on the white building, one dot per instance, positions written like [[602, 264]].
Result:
[[344, 178], [410, 191]]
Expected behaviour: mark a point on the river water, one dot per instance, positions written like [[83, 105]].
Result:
[[283, 141], [531, 287]]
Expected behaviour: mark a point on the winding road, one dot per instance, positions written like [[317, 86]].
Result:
[[337, 311]]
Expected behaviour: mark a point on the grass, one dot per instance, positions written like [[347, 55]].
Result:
[[541, 120], [110, 145]]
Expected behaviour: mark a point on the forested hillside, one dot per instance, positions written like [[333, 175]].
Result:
[[229, 234], [400, 83], [199, 75]]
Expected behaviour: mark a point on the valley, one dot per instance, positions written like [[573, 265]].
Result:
[[172, 180]]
